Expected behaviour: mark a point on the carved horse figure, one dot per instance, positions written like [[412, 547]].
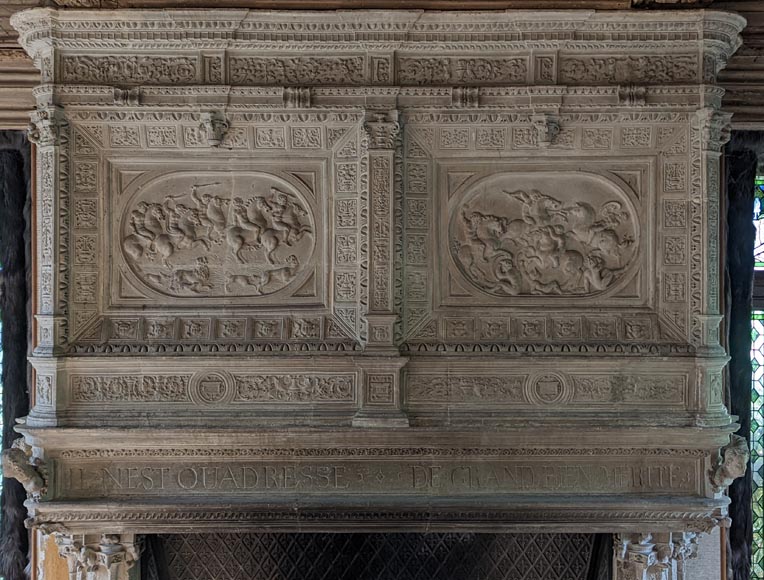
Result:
[[260, 280]]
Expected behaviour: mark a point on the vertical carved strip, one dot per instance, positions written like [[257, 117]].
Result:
[[380, 394], [383, 131], [363, 233], [49, 131], [709, 131]]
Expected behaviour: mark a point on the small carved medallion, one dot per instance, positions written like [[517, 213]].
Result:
[[210, 388], [548, 389]]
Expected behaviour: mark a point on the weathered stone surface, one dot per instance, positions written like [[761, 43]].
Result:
[[412, 270]]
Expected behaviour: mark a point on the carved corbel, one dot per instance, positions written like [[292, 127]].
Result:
[[383, 129], [465, 97], [632, 95], [546, 127], [127, 97], [715, 127], [45, 126], [296, 97], [729, 464], [216, 126], [29, 471]]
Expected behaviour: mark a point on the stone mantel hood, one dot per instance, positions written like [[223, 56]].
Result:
[[407, 269]]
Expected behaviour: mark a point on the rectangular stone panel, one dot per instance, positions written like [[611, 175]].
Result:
[[442, 476]]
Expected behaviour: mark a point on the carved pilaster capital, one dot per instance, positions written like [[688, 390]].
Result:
[[645, 556], [85, 555], [216, 126], [45, 126], [729, 464], [546, 127], [715, 127], [383, 129]]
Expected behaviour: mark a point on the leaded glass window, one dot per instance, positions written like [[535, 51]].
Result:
[[757, 394], [758, 221], [757, 440]]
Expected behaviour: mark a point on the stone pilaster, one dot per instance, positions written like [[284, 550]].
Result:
[[710, 130], [48, 130], [383, 131], [381, 392]]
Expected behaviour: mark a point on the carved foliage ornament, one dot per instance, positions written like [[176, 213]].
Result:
[[559, 240], [247, 235]]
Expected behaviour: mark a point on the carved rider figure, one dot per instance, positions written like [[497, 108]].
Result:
[[285, 216]]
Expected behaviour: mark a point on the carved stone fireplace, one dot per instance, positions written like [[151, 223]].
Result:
[[377, 272]]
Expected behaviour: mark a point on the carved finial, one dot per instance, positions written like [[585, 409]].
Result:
[[465, 97], [125, 97], [730, 463], [296, 97], [19, 464], [216, 126], [547, 127], [383, 129], [45, 126]]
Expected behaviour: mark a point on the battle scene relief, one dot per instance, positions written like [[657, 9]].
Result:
[[217, 234], [513, 236]]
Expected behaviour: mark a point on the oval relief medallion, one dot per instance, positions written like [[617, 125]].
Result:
[[218, 235], [522, 234]]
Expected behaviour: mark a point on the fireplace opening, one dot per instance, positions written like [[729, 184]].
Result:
[[377, 556]]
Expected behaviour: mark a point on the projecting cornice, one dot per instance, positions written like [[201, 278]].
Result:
[[406, 48]]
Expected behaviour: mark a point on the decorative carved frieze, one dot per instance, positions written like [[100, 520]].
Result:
[[320, 232]]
